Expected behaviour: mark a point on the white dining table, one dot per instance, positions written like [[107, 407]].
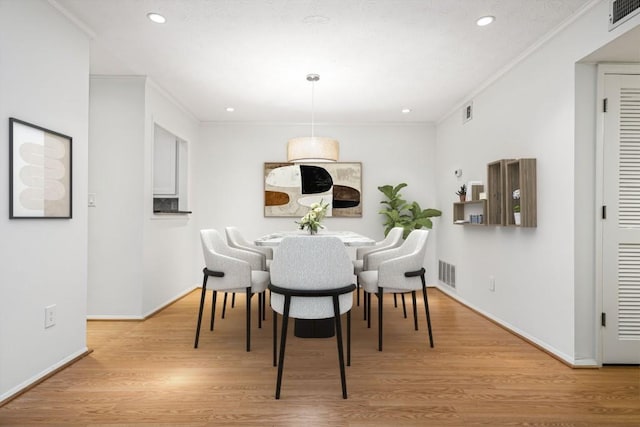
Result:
[[349, 238]]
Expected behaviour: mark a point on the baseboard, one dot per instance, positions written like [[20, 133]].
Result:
[[129, 317], [42, 376], [553, 352]]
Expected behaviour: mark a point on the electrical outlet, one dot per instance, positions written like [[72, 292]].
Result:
[[492, 283], [49, 316]]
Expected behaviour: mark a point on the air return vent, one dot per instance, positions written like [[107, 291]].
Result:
[[447, 273], [621, 11]]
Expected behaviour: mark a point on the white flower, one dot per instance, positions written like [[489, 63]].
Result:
[[516, 193]]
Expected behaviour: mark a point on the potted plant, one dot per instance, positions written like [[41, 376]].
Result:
[[516, 206], [400, 213], [462, 192]]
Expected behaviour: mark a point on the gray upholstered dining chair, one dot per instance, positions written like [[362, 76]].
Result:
[[397, 270], [311, 279], [235, 239], [392, 240], [231, 270]]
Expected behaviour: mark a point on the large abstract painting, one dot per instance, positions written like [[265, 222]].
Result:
[[290, 188], [39, 171]]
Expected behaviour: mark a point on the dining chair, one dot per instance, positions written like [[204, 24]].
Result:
[[311, 278], [231, 270], [392, 240], [235, 239], [398, 270]]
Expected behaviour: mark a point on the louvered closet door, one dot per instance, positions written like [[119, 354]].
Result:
[[621, 228]]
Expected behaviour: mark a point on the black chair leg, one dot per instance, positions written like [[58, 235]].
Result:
[[369, 310], [380, 293], [336, 313], [264, 305], [233, 300], [283, 341], [249, 319], [204, 291], [426, 309], [214, 301], [358, 292], [395, 300], [415, 310], [404, 306], [275, 337], [260, 294], [349, 338], [224, 305], [364, 303]]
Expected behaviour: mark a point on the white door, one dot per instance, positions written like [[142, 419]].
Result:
[[621, 228]]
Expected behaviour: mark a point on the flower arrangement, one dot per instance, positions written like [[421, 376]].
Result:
[[516, 196], [311, 220]]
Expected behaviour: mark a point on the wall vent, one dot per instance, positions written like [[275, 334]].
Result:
[[447, 273], [621, 11]]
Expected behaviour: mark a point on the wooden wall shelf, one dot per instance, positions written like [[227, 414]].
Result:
[[503, 177]]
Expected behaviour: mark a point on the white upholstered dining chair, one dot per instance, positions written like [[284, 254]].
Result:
[[397, 270], [392, 240], [311, 278], [231, 270]]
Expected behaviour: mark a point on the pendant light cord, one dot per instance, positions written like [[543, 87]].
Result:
[[313, 85]]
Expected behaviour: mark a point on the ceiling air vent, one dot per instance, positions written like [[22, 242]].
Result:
[[621, 11]]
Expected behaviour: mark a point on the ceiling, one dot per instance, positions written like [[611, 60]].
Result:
[[374, 57]]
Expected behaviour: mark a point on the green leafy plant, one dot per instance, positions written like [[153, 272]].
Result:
[[399, 213], [516, 208], [462, 191]]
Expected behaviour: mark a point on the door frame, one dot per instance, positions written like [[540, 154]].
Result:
[[603, 70]]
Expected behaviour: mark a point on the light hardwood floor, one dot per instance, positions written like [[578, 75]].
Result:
[[148, 373]]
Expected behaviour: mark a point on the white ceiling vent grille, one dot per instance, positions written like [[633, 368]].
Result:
[[621, 11]]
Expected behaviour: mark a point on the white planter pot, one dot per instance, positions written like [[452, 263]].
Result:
[[516, 218]]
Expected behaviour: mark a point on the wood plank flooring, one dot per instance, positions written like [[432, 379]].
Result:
[[478, 374]]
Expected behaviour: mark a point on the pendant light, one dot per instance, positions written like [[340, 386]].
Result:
[[312, 148]]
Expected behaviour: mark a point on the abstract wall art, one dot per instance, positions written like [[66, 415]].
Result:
[[39, 171], [290, 188]]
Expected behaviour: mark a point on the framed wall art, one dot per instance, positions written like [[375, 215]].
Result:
[[290, 188], [39, 172]]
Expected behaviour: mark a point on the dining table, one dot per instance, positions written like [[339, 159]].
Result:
[[316, 328]]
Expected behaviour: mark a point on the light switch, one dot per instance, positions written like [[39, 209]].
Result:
[[92, 200]]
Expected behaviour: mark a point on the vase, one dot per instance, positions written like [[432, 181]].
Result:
[[463, 197], [516, 218]]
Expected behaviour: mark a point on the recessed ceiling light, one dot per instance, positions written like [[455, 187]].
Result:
[[230, 109], [406, 110], [485, 20], [157, 18], [315, 19]]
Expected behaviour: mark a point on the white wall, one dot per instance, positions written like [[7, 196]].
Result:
[[230, 161], [116, 176], [169, 242], [138, 262], [44, 72], [545, 282]]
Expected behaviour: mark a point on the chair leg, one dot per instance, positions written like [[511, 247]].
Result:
[[395, 300], [404, 306], [224, 305], [260, 295], [214, 301], [264, 305], [336, 314], [415, 310], [364, 303], [249, 319], [380, 293], [283, 341], [349, 338], [369, 310], [233, 300], [275, 337], [204, 291], [426, 309], [358, 292]]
